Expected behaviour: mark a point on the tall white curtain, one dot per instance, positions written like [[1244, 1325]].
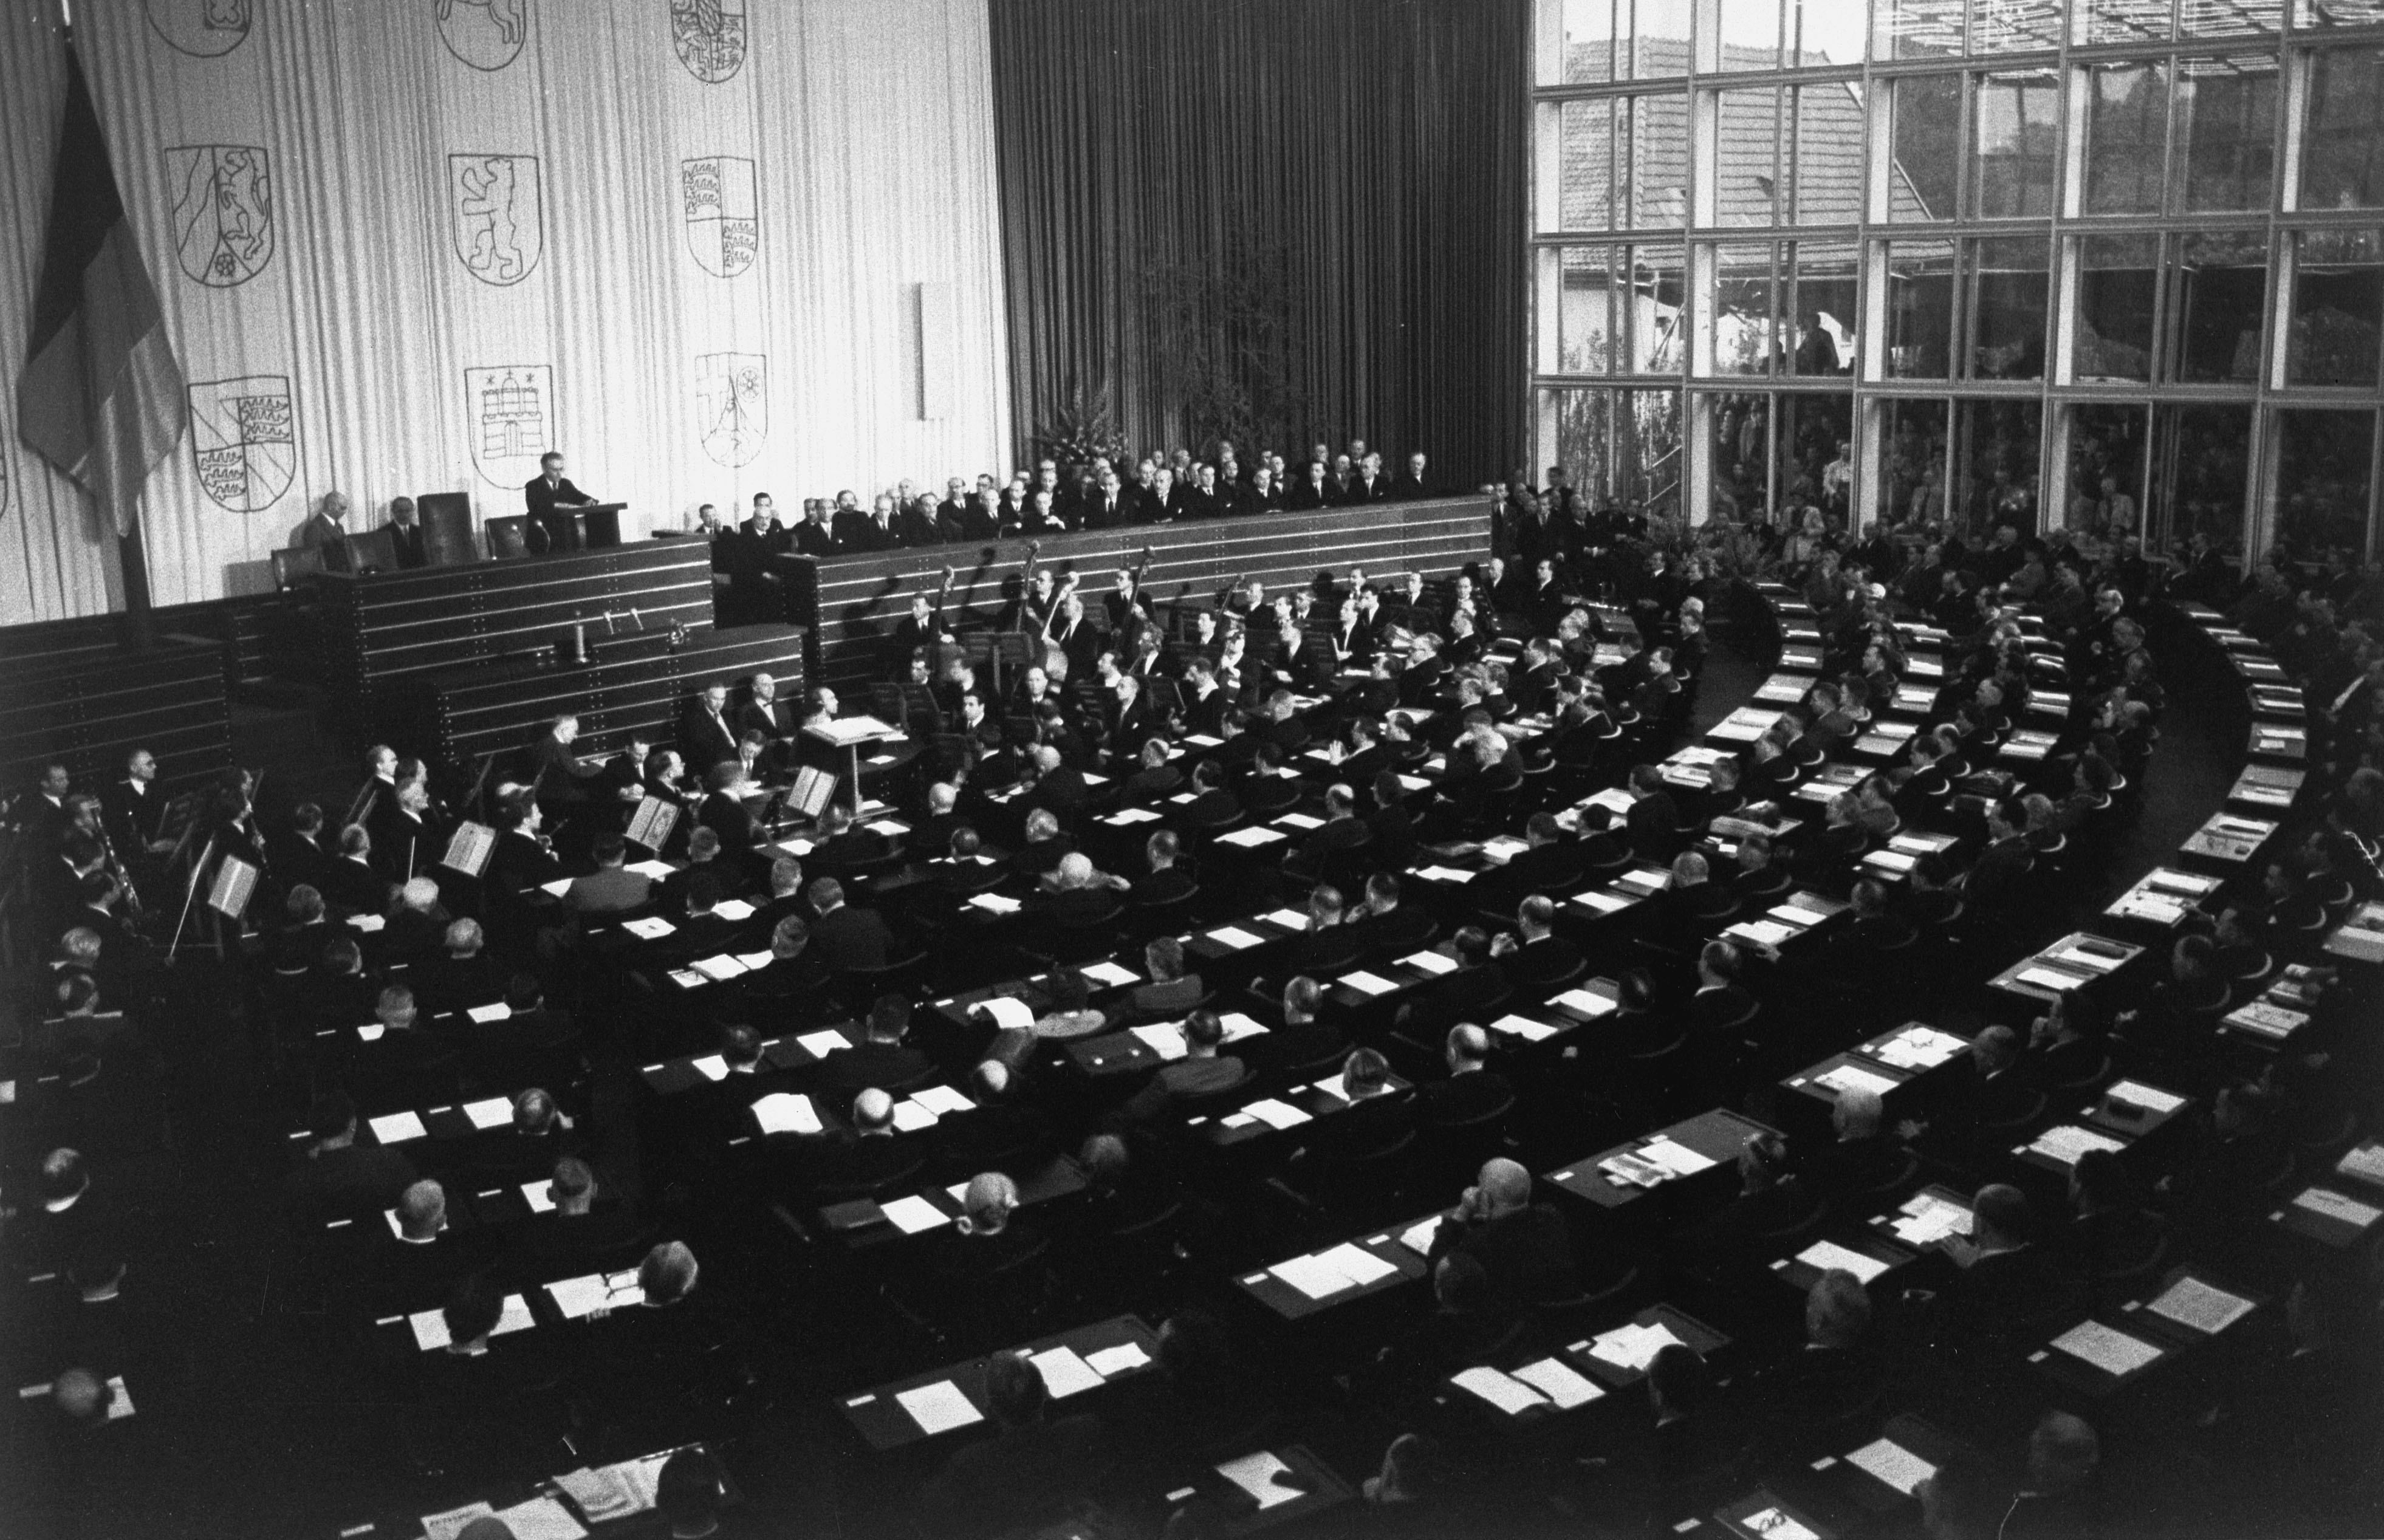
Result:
[[405, 245]]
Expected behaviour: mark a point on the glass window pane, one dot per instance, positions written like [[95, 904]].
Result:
[[2216, 284], [1648, 472], [2322, 481], [2016, 130], [2106, 470], [2115, 308], [1591, 162], [2228, 17], [1913, 460], [1919, 309], [1750, 35], [1747, 330], [1816, 437], [2008, 287], [2127, 21], [1825, 152], [1659, 169], [2225, 132], [1926, 131], [2016, 26], [1659, 39], [2002, 447], [1741, 425], [2339, 13], [1821, 308], [2342, 154], [1584, 439], [1923, 29], [1587, 298], [2201, 464], [1826, 31], [2338, 302], [1746, 158], [1653, 341], [1589, 48], [2127, 127]]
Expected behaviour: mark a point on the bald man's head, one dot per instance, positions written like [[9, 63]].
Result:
[[1506, 1186]]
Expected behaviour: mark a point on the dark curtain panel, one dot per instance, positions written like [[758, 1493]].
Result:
[[1279, 221]]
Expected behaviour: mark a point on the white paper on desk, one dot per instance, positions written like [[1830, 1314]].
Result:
[[1357, 1264], [1203, 740], [1165, 1039], [1602, 901], [367, 924], [1675, 1157], [1556, 1381], [540, 1195], [1276, 1114], [1007, 1011], [657, 870], [371, 1031], [2334, 1205], [2137, 1094], [577, 1297], [1632, 1347], [653, 928], [1064, 1373], [1443, 873], [1588, 1002], [542, 1519], [2080, 958], [2064, 1142], [1523, 1027], [711, 1066], [940, 1099], [2046, 978], [2192, 1302], [1509, 1395], [1762, 932], [909, 1117], [2179, 882], [1893, 1463], [994, 903], [398, 1127], [753, 962], [735, 911], [1256, 1475], [797, 848], [1925, 1218], [483, 1014], [1127, 815], [431, 1326], [819, 1045], [493, 1112], [1301, 821], [1412, 783], [1824, 1255], [1891, 861], [1116, 1361], [688, 978], [1253, 838], [1429, 962], [1238, 1026], [1921, 1047], [2114, 1352], [914, 1214], [1108, 975], [2365, 1163], [1417, 1237], [1368, 984], [1290, 919], [938, 1407], [1313, 1276], [447, 1525], [1228, 936], [559, 886], [786, 1112], [1846, 1077]]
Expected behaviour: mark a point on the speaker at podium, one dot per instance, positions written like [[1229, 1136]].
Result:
[[591, 527]]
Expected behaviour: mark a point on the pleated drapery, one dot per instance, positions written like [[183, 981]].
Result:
[[1292, 219]]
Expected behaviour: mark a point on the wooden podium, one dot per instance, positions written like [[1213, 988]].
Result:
[[591, 527]]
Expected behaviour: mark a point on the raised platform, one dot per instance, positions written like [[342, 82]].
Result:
[[634, 684], [862, 598]]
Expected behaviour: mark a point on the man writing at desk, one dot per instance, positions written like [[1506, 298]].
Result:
[[550, 498]]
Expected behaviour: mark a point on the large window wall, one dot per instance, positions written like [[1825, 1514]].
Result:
[[2107, 264]]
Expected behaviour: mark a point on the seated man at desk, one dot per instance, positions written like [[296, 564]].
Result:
[[1523, 1246], [1201, 1072], [1034, 1468], [610, 888], [550, 498]]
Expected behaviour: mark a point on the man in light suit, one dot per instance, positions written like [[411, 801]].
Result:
[[611, 887], [550, 498]]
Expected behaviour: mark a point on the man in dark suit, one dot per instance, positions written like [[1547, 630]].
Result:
[[134, 811], [550, 497], [339, 1179], [1369, 485], [845, 937], [852, 525], [1539, 958], [1654, 821], [915, 523], [560, 782], [1523, 1246], [405, 535], [705, 736], [2006, 1281], [1414, 485], [1472, 1089], [880, 1059], [325, 530], [1111, 505], [1031, 1470], [1202, 1070]]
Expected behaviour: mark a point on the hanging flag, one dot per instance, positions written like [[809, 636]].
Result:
[[101, 398]]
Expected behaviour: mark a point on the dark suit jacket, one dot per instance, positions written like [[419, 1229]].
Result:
[[407, 540], [550, 506], [704, 740], [847, 937], [1462, 1098]]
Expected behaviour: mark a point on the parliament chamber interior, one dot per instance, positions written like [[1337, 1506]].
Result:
[[1339, 768]]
